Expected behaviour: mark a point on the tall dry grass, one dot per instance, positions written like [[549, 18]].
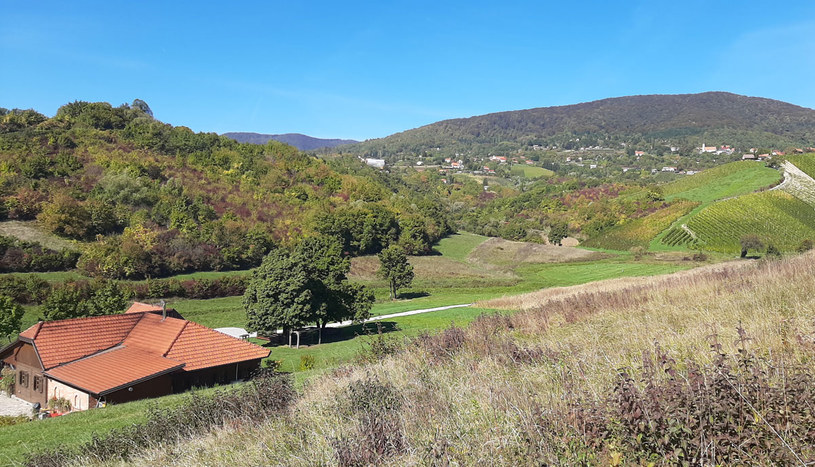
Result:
[[544, 384]]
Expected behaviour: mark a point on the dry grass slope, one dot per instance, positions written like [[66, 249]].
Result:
[[540, 385]]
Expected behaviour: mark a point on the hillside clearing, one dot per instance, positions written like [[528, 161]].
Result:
[[525, 378], [30, 231]]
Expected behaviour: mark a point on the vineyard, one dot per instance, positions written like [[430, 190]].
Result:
[[775, 216], [805, 162], [639, 232], [736, 178]]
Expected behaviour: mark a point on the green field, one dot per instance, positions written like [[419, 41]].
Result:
[[462, 278], [724, 181], [530, 171], [775, 216], [805, 162]]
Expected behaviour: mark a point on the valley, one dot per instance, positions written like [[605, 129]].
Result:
[[571, 272]]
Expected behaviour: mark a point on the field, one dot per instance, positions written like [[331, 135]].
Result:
[[724, 181], [548, 382], [29, 231], [805, 162], [529, 171], [469, 268], [775, 216]]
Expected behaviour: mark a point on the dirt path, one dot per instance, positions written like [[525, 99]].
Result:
[[12, 406], [397, 315]]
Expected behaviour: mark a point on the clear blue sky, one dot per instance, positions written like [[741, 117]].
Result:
[[364, 70]]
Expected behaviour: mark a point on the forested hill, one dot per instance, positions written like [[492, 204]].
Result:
[[300, 141], [684, 120], [142, 198]]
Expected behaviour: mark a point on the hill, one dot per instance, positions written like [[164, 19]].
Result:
[[708, 366], [143, 198], [300, 141], [684, 120]]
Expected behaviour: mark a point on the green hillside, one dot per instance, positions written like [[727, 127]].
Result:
[[776, 217], [724, 181], [141, 198]]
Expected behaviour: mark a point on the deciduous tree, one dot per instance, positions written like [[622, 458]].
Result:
[[11, 316], [395, 268]]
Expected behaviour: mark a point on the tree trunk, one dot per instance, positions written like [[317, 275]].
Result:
[[393, 290], [320, 327], [744, 252]]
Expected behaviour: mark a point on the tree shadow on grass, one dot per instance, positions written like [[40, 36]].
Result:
[[410, 295], [309, 337]]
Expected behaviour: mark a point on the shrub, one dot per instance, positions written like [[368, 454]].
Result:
[[267, 395], [806, 245], [307, 362], [7, 379], [378, 433]]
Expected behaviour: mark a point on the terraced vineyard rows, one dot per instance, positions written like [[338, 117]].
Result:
[[805, 162], [775, 216], [639, 232]]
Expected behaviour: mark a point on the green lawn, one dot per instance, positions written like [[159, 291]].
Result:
[[459, 245], [18, 440], [530, 171]]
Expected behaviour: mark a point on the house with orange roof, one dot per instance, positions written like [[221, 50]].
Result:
[[142, 353]]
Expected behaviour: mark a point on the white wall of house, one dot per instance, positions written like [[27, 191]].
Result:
[[79, 400]]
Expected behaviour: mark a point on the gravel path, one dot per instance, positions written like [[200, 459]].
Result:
[[13, 406], [396, 315]]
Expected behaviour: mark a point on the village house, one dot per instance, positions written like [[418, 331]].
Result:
[[145, 352], [749, 157], [639, 153], [669, 169]]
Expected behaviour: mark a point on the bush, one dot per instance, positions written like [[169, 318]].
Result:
[[806, 245], [267, 395], [307, 362]]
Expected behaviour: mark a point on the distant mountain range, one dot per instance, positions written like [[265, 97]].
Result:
[[685, 120], [301, 142]]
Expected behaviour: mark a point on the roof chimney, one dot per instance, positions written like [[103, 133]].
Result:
[[163, 310]]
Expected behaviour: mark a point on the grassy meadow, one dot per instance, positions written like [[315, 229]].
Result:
[[542, 382]]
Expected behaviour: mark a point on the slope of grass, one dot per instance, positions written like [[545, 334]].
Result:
[[775, 216], [529, 387], [640, 232], [530, 171], [724, 181], [459, 245], [18, 440], [30, 231]]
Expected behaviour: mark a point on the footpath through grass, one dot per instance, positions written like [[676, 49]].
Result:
[[459, 284]]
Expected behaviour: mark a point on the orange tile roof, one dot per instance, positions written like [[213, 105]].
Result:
[[102, 353], [138, 307], [114, 369], [201, 347], [154, 334], [66, 340]]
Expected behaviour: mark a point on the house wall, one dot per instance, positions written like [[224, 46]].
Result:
[[31, 384], [159, 386], [206, 377], [79, 399]]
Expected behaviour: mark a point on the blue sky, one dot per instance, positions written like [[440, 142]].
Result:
[[365, 70]]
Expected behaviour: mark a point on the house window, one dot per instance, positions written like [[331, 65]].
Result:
[[24, 379], [38, 384]]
